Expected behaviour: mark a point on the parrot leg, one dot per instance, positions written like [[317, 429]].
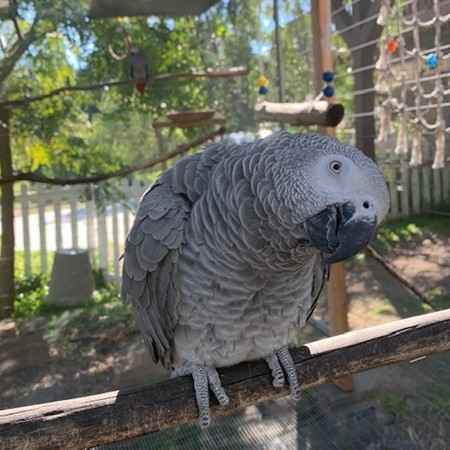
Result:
[[204, 377], [279, 361], [277, 371]]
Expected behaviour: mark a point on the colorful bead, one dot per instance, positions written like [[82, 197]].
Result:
[[328, 76], [328, 91], [262, 81], [392, 46], [263, 90], [432, 61]]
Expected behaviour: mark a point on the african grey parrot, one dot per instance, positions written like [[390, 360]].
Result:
[[138, 68], [229, 250]]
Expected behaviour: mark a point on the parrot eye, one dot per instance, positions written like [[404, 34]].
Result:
[[336, 166]]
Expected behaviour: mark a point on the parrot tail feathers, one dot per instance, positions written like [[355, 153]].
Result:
[[140, 86]]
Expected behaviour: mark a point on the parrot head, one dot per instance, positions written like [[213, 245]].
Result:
[[341, 194]]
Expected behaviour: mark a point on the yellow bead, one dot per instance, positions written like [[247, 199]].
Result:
[[262, 81]]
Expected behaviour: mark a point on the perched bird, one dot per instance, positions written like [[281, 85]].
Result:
[[138, 68], [229, 250]]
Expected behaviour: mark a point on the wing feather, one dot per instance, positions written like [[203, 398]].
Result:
[[154, 244], [149, 270]]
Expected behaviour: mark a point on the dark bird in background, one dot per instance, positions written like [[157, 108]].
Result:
[[138, 68], [230, 248]]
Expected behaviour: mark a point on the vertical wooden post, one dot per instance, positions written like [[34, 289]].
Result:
[[7, 292], [336, 286]]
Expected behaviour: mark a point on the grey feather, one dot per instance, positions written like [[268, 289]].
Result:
[[218, 262]]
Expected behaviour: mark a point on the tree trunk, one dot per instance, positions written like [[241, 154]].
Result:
[[7, 212], [357, 28], [365, 103]]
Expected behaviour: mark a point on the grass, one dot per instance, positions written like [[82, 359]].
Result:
[[396, 231], [103, 312], [89, 319]]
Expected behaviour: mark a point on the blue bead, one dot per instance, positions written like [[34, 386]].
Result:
[[263, 90], [328, 77], [432, 60], [328, 91]]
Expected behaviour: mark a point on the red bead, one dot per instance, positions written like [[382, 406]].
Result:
[[392, 46]]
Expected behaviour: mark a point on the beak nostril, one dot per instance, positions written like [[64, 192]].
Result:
[[366, 205]]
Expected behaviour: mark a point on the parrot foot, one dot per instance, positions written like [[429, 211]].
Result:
[[204, 377], [279, 361]]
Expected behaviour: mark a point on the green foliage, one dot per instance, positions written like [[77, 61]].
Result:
[[394, 406], [296, 39], [389, 236], [35, 262], [440, 297], [96, 131], [31, 292], [30, 295], [403, 230]]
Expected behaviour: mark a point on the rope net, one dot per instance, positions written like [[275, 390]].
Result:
[[413, 77]]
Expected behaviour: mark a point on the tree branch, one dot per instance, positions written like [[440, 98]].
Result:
[[209, 73], [17, 49], [183, 148], [113, 416], [399, 277]]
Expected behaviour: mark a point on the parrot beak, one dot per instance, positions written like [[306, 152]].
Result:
[[338, 231]]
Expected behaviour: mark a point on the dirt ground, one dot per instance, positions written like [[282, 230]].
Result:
[[35, 367]]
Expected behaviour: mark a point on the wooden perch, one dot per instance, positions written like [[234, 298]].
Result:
[[183, 148], [209, 73], [306, 113], [113, 416]]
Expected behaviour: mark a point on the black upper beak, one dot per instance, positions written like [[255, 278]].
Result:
[[339, 232]]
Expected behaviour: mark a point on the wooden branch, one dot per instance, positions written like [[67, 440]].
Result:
[[183, 148], [189, 124], [209, 73], [101, 419], [399, 277], [306, 113], [17, 49]]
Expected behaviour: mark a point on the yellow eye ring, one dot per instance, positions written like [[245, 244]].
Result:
[[336, 166]]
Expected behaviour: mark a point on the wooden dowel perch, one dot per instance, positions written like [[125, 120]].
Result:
[[113, 416], [307, 113]]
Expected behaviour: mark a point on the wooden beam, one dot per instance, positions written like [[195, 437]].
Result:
[[113, 416], [337, 296], [305, 113]]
